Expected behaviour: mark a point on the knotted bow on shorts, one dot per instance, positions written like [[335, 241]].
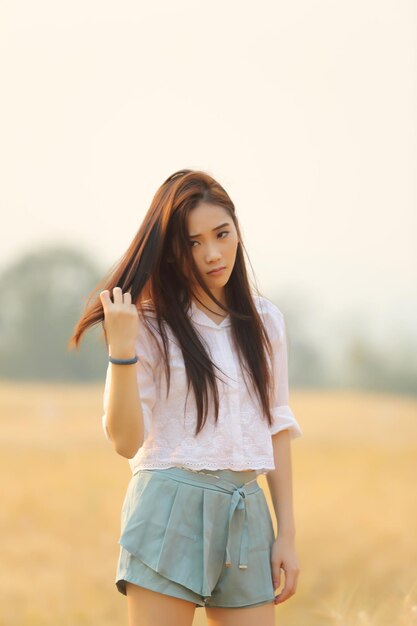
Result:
[[237, 503]]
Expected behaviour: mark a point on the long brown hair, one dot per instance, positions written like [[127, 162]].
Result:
[[152, 270]]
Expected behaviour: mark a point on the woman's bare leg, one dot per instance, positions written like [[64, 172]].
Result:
[[263, 614], [150, 608]]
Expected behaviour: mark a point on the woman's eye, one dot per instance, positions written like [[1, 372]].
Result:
[[223, 232]]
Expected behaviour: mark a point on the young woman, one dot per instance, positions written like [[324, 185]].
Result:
[[196, 397]]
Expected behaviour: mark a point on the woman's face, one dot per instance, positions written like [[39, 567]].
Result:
[[213, 239]]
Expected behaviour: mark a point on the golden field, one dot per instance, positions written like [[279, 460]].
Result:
[[62, 486]]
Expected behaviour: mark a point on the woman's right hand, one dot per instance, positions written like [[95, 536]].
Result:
[[121, 322]]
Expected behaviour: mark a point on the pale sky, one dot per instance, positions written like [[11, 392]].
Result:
[[304, 111]]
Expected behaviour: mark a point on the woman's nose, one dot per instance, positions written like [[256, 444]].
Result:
[[212, 254]]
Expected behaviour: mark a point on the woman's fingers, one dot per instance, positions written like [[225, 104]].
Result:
[[121, 319], [121, 298], [105, 299], [117, 295], [290, 586]]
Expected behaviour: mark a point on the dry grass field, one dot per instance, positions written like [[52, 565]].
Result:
[[62, 486]]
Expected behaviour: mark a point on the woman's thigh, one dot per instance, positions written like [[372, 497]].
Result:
[[150, 608], [247, 616]]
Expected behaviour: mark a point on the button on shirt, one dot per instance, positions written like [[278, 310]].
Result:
[[241, 440]]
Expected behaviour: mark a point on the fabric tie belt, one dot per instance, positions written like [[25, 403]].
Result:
[[237, 503]]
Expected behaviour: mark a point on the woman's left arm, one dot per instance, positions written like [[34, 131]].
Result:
[[283, 553]]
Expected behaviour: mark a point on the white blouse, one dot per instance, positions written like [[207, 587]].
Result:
[[242, 439]]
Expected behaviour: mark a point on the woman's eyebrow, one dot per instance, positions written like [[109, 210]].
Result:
[[213, 229]]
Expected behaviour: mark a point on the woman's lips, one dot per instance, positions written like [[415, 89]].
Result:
[[216, 272]]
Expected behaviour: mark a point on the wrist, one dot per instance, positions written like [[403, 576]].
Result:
[[119, 352], [288, 534]]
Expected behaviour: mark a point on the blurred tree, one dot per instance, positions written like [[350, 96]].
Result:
[[45, 291], [369, 367], [43, 294], [306, 364]]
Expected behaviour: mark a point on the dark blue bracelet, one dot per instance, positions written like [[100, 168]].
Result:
[[124, 361]]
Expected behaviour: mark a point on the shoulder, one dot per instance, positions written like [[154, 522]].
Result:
[[264, 305], [271, 315]]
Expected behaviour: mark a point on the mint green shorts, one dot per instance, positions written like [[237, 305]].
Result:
[[203, 536]]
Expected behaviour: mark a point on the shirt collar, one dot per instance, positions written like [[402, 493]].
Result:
[[199, 317]]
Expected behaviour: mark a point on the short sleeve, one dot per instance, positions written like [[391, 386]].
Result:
[[283, 417], [145, 374]]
